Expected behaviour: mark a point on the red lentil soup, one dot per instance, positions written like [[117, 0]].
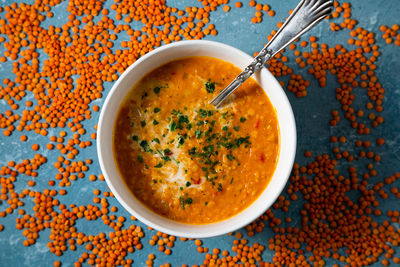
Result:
[[185, 159]]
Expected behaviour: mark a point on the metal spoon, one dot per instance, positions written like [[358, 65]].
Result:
[[307, 14]]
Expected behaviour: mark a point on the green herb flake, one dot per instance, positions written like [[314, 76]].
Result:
[[143, 123], [159, 165], [156, 110], [242, 119], [182, 203], [188, 184], [242, 140], [189, 200], [173, 126], [219, 187], [155, 122], [230, 157], [183, 119], [154, 181], [192, 151], [145, 146], [203, 113], [225, 128], [135, 138], [236, 128], [181, 140], [156, 140], [176, 112], [210, 87], [198, 133], [157, 89], [140, 158]]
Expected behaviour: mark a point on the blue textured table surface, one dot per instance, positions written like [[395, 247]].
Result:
[[313, 115]]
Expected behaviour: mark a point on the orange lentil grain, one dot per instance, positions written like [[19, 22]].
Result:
[[226, 8]]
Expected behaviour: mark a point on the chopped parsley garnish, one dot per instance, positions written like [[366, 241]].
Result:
[[145, 146], [173, 126], [219, 187], [225, 115], [164, 155], [135, 138], [242, 140], [154, 181], [203, 113], [179, 120], [183, 119], [192, 151], [181, 140], [210, 87], [157, 89], [210, 146], [198, 133], [183, 201], [143, 123], [176, 112], [159, 165], [140, 158]]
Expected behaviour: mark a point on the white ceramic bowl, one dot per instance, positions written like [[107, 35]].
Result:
[[157, 57]]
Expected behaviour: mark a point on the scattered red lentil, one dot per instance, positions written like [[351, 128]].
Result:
[[84, 46]]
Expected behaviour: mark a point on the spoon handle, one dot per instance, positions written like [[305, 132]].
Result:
[[306, 15]]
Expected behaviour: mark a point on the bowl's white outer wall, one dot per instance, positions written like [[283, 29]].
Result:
[[166, 54]]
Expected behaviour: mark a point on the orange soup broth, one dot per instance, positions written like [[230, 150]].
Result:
[[183, 158]]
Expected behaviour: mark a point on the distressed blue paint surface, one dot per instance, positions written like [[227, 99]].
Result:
[[312, 115]]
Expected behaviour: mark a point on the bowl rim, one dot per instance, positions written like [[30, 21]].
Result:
[[246, 220]]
